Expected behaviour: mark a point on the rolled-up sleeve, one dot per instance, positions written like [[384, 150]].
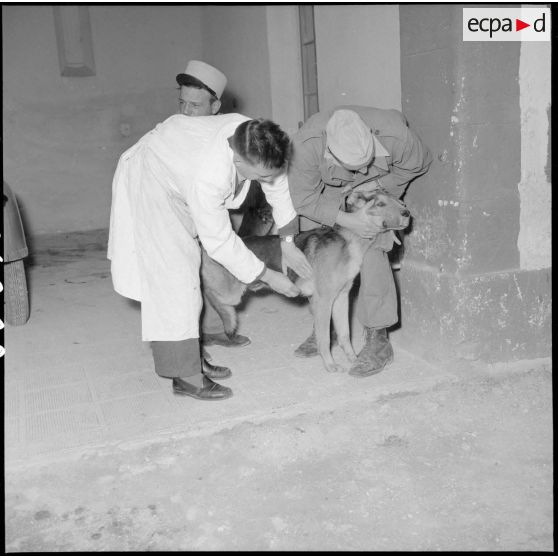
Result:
[[206, 201], [278, 196], [306, 184], [410, 159]]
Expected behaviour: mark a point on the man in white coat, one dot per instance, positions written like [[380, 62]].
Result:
[[171, 191]]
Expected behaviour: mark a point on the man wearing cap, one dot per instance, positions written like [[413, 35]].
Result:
[[201, 88], [355, 148]]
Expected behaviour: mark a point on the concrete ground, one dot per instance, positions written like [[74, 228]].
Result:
[[100, 456]]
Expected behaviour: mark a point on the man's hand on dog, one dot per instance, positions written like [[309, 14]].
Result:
[[280, 283], [361, 222], [294, 258]]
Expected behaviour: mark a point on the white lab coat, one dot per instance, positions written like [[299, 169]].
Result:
[[173, 186]]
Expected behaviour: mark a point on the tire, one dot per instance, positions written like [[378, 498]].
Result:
[[16, 297]]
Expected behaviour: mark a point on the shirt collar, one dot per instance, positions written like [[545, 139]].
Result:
[[379, 149]]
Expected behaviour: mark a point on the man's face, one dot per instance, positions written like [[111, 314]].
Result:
[[362, 170], [196, 102], [250, 171]]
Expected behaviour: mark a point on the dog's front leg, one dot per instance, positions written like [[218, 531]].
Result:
[[321, 310], [341, 322]]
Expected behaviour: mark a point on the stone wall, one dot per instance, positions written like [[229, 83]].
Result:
[[462, 288]]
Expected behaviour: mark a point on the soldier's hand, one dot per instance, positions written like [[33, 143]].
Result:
[[362, 223]]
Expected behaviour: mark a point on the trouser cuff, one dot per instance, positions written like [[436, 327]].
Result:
[[177, 359]]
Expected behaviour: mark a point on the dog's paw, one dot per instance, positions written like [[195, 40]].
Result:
[[306, 286], [335, 368], [351, 357]]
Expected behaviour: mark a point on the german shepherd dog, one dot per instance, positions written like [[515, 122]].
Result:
[[335, 254]]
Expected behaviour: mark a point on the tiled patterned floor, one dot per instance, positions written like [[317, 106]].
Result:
[[78, 376]]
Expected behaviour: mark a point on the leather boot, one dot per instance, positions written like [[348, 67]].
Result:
[[310, 347], [376, 354]]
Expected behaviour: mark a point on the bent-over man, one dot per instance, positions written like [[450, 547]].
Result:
[[354, 148]]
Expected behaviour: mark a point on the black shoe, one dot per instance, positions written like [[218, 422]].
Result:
[[216, 372], [209, 391], [234, 340], [376, 354]]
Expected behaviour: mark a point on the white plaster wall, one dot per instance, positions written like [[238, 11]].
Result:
[[358, 52], [534, 241], [63, 136], [283, 41], [235, 41]]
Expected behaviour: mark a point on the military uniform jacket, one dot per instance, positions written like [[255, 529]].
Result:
[[319, 185]]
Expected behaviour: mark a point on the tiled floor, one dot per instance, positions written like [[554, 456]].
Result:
[[77, 375]]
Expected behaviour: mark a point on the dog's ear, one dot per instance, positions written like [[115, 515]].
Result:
[[357, 200], [368, 195]]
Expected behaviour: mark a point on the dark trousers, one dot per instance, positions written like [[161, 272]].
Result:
[[377, 297], [177, 359]]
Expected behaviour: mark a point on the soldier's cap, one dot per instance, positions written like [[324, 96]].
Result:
[[349, 139], [200, 74]]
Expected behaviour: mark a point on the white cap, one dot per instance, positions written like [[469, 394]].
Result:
[[211, 77], [349, 139]]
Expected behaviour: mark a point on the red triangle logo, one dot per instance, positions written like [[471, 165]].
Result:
[[519, 25]]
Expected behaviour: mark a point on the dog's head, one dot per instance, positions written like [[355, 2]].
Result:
[[394, 213]]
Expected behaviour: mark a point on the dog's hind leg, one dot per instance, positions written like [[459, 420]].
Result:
[[340, 313], [321, 310]]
